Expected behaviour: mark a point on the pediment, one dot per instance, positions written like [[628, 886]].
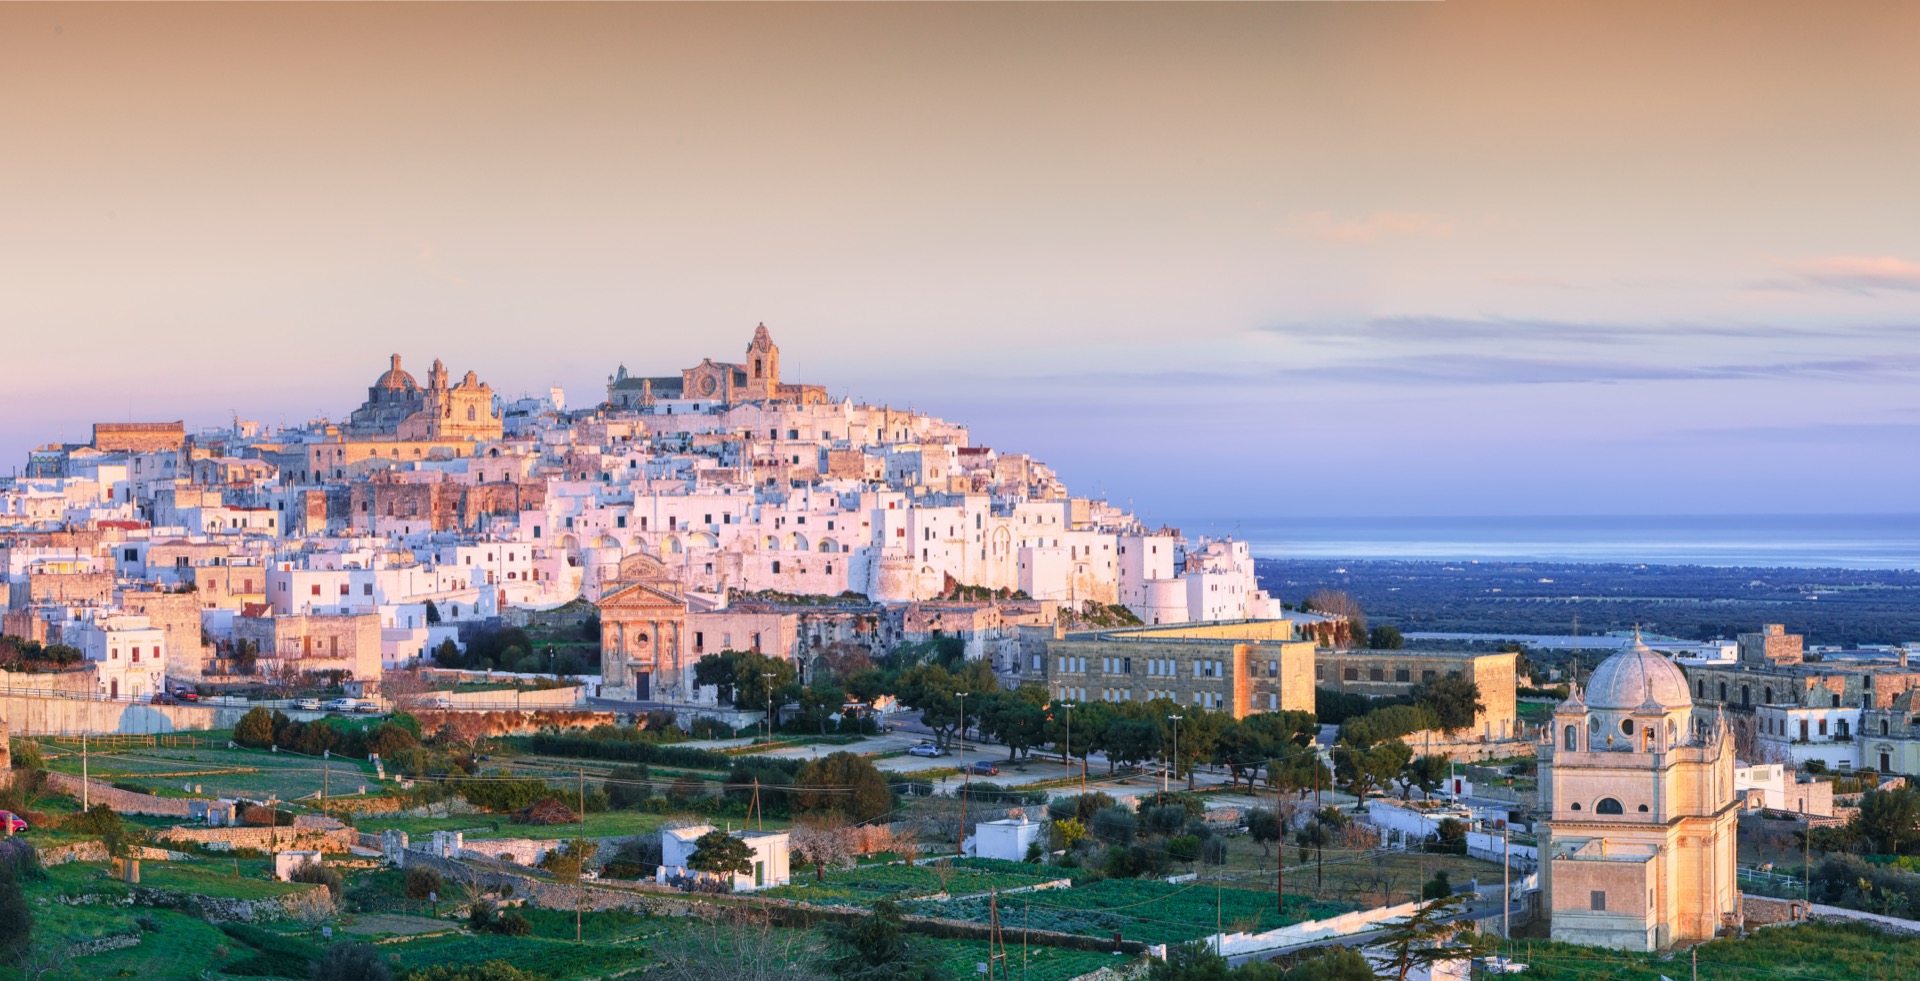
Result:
[[640, 597]]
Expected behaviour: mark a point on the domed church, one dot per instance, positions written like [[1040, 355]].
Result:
[[398, 407], [1640, 846]]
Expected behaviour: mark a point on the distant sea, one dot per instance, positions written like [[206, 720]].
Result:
[[1849, 541]]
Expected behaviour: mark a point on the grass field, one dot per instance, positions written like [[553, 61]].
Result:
[[1146, 910], [220, 772], [1809, 952], [479, 826], [862, 886]]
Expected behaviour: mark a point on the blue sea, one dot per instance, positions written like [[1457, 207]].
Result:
[[1850, 541]]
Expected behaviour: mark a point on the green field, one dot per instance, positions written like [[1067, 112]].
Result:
[[1146, 910], [1810, 952], [862, 886], [601, 824]]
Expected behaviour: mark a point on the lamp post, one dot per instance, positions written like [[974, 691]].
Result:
[[960, 845], [768, 678], [1068, 753], [1175, 760]]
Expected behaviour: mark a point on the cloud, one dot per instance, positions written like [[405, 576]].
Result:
[[1324, 227], [1851, 273], [1446, 330]]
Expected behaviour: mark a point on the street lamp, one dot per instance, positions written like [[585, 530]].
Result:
[[1067, 753], [960, 846], [768, 676], [1176, 752]]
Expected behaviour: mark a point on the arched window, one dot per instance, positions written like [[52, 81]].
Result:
[[1643, 808], [1608, 805], [1576, 805], [1700, 688], [1883, 727], [1746, 695], [1723, 691], [1626, 727], [1573, 738], [1768, 693]]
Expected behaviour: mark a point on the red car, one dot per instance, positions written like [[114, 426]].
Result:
[[15, 824]]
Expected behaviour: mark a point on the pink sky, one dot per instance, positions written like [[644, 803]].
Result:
[[1392, 258]]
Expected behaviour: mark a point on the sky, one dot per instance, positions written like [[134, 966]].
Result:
[[1240, 260]]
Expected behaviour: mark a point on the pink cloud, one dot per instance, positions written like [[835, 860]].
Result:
[[1322, 225], [1857, 272]]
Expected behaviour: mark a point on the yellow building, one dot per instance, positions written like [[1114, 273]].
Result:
[[1640, 845], [1240, 667]]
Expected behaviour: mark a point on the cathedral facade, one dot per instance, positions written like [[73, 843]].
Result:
[[643, 623], [1639, 852], [756, 378], [399, 408]]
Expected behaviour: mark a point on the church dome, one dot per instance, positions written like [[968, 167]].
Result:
[[1635, 676], [395, 380]]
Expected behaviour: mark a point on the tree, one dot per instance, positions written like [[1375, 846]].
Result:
[[312, 908], [1366, 770], [737, 947], [1264, 827], [1437, 887], [1115, 825], [1191, 961], [1385, 639], [933, 689], [462, 730], [1890, 819], [1426, 772], [1018, 719], [1332, 964], [843, 784], [1279, 739], [423, 882], [351, 962], [255, 729], [823, 841], [317, 874], [1430, 935], [1452, 698], [1352, 624], [877, 947], [721, 854], [1128, 742], [819, 702], [16, 918]]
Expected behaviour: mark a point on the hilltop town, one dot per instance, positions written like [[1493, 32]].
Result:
[[477, 689]]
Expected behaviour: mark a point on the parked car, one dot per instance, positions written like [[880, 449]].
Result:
[[342, 705], [186, 694], [15, 823], [926, 749], [366, 706], [309, 704], [983, 768]]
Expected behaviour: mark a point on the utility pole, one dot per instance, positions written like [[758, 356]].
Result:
[[580, 774], [1506, 882], [1280, 854], [86, 798], [768, 675]]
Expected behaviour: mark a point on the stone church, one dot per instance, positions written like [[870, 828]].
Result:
[[398, 408], [756, 378], [1639, 852], [643, 623]]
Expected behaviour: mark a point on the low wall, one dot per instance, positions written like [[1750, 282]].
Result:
[[28, 715], [265, 839], [96, 851], [1310, 930], [124, 801], [544, 698], [512, 723]]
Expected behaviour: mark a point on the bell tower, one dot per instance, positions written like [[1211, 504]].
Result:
[[762, 366]]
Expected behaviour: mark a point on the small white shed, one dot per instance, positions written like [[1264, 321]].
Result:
[[1006, 839]]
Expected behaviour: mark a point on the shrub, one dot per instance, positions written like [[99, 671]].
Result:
[[99, 820], [637, 859], [1437, 887], [1115, 825], [16, 919], [685, 789], [351, 962], [320, 875], [512, 924], [422, 882], [628, 786], [1184, 848], [549, 811], [26, 756], [255, 729], [484, 971], [131, 787], [1164, 820]]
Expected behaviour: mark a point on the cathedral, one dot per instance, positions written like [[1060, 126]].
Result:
[[398, 408], [643, 620], [1639, 851], [756, 378]]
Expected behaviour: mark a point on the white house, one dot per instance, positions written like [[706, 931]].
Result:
[[127, 653], [769, 848], [1006, 839]]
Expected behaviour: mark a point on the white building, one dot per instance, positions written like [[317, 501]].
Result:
[[770, 863], [1006, 839], [127, 652]]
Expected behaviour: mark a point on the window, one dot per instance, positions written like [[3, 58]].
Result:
[[1376, 674], [1350, 674], [1643, 808], [1403, 674], [1576, 805], [1823, 727], [1608, 805], [1573, 738]]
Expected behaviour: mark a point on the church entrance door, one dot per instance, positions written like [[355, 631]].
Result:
[[642, 686]]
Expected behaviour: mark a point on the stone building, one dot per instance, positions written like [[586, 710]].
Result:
[[299, 643], [1247, 667], [398, 407], [139, 437], [1378, 673], [756, 378], [643, 627], [1640, 839]]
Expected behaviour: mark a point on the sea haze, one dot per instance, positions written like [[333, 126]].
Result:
[[1843, 541]]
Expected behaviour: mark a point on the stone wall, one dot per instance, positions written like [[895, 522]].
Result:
[[95, 851], [124, 801], [36, 715], [1767, 911], [265, 839]]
